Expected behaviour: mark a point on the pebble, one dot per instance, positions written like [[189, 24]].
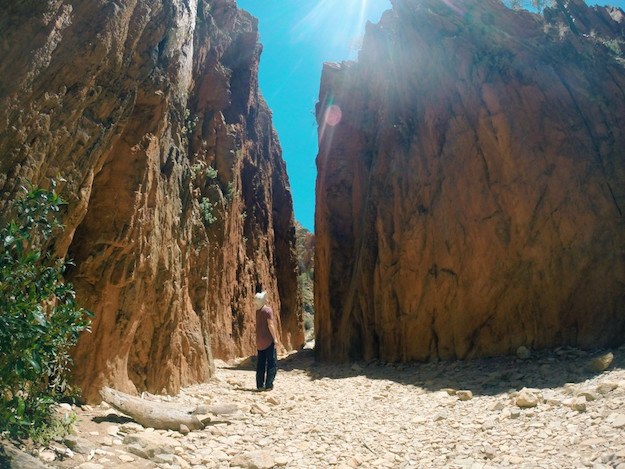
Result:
[[319, 415]]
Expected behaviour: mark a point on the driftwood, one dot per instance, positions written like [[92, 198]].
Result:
[[151, 414]]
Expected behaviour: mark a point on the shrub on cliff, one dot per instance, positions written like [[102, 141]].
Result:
[[39, 318]]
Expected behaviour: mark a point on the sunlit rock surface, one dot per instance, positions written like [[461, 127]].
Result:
[[131, 103], [471, 186]]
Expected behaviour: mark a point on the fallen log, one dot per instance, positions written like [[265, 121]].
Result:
[[151, 414]]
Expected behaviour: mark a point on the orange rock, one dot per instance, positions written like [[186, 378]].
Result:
[[132, 103], [471, 199]]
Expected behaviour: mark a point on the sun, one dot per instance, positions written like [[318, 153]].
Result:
[[337, 24]]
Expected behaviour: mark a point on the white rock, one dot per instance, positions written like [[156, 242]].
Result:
[[272, 400], [618, 421], [149, 444], [497, 406], [576, 403], [606, 387], [526, 399], [47, 455], [254, 460], [125, 458], [78, 445], [112, 430], [131, 427], [163, 458], [259, 408], [284, 460]]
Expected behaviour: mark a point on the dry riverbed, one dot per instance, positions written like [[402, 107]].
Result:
[[545, 410]]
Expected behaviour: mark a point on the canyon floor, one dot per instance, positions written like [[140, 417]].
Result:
[[547, 410]]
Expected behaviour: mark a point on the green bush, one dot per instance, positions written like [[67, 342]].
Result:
[[39, 319], [207, 211]]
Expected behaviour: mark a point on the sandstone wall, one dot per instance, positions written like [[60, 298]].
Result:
[[471, 199], [135, 104]]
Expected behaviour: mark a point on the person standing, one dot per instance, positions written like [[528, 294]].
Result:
[[266, 341]]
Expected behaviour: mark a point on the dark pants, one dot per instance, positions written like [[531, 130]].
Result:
[[266, 367]]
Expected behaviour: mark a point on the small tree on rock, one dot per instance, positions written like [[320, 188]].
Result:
[[39, 319]]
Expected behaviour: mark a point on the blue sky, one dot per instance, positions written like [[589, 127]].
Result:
[[298, 36]]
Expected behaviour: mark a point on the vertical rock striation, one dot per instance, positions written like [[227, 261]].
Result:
[[179, 203], [471, 183]]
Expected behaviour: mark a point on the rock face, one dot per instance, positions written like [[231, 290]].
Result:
[[179, 207], [471, 184]]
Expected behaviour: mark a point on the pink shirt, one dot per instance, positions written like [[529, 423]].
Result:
[[264, 339]]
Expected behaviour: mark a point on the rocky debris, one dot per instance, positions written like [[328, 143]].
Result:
[[464, 395], [150, 445], [13, 458], [78, 445], [576, 403], [601, 363], [386, 416], [254, 460], [526, 399], [476, 204], [617, 420], [606, 387], [179, 204]]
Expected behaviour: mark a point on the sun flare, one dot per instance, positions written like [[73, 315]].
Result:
[[338, 23]]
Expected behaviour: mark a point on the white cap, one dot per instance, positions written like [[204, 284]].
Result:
[[260, 299]]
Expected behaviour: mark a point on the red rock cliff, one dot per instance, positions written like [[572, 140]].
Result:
[[179, 203], [471, 197]]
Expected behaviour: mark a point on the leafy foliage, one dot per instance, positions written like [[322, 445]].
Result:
[[39, 319], [206, 209]]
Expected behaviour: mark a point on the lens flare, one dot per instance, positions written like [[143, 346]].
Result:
[[333, 115], [337, 23]]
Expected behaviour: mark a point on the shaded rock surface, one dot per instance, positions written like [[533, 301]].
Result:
[[470, 191], [179, 206]]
